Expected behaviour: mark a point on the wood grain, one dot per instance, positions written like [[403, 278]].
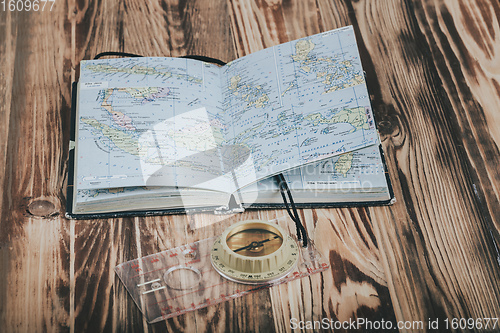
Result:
[[464, 41], [432, 70], [437, 226], [7, 49], [173, 28], [34, 260], [356, 282]]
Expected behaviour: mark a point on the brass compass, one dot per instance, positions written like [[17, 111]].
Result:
[[254, 252]]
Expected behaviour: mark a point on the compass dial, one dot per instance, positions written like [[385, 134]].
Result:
[[254, 242], [254, 252]]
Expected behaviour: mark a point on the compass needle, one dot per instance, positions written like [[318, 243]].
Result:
[[254, 252]]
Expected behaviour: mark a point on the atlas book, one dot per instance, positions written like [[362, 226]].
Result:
[[158, 135]]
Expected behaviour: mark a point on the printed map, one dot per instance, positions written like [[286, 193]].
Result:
[[353, 170], [299, 101], [153, 121], [163, 121]]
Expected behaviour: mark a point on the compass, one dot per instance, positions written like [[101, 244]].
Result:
[[254, 252]]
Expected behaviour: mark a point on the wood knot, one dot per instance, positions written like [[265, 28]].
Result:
[[42, 208], [384, 126], [389, 126]]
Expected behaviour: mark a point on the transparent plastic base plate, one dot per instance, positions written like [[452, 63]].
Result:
[[180, 280]]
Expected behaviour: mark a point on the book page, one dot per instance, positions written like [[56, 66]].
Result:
[[149, 122], [167, 122], [360, 170], [357, 171], [298, 102]]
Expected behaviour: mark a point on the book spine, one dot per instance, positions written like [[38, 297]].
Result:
[[71, 153]]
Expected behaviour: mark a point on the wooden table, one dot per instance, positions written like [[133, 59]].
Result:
[[433, 69]]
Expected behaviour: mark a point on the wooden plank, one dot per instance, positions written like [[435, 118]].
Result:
[[431, 69], [436, 247], [7, 49], [173, 28], [34, 247], [249, 313], [355, 286], [101, 301], [462, 36]]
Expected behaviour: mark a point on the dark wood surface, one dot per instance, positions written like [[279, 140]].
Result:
[[433, 69]]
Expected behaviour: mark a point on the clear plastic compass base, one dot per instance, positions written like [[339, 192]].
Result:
[[180, 280]]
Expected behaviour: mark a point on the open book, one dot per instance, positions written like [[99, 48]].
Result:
[[159, 135]]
